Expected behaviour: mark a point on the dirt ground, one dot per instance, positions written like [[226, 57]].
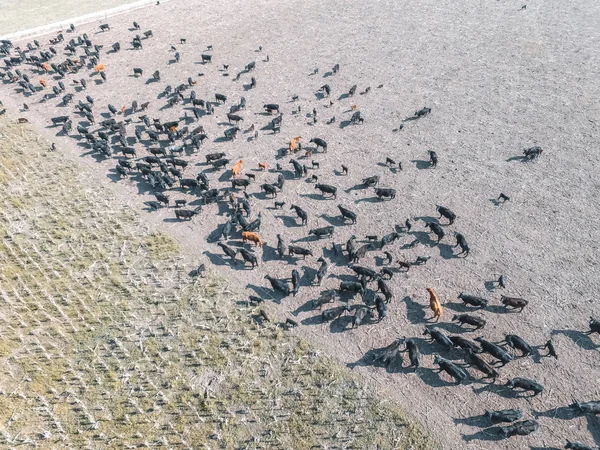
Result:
[[498, 79]]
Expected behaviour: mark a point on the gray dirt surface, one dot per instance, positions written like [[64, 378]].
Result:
[[498, 80]]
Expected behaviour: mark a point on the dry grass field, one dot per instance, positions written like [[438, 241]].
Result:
[[17, 16], [107, 342]]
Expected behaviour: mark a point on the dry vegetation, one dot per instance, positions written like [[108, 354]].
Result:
[[106, 342]]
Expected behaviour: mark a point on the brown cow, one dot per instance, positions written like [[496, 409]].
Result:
[[237, 168], [435, 305], [252, 237]]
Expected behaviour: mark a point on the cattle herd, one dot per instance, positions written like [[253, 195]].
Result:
[[156, 152]]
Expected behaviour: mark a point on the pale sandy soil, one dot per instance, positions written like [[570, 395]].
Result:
[[498, 80]]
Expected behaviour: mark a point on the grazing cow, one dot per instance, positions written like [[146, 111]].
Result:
[[357, 118], [347, 214], [104, 27], [532, 153], [450, 368], [462, 243], [214, 156], [522, 428], [231, 133], [248, 257], [381, 307], [436, 229], [389, 238], [334, 313], [439, 336], [385, 290], [592, 407], [551, 349], [240, 182], [390, 354], [518, 343], [206, 58], [495, 350], [301, 214], [364, 271], [220, 98], [594, 326], [504, 415], [361, 313], [320, 143], [435, 305], [271, 107], [327, 189], [526, 384], [297, 250], [433, 158], [295, 282], [252, 237], [280, 286], [414, 355], [473, 300], [475, 361], [445, 212], [269, 189], [357, 255], [186, 213], [459, 341], [322, 271], [353, 287], [371, 181], [512, 302], [237, 168], [234, 118], [477, 322], [294, 143], [228, 251]]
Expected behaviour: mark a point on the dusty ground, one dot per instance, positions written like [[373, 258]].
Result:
[[36, 13], [498, 80]]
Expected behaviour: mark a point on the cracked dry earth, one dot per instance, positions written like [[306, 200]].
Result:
[[498, 80]]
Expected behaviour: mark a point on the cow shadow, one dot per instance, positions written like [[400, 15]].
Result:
[[489, 434], [219, 260], [265, 293], [502, 391], [290, 221], [345, 123], [561, 412], [453, 328], [343, 96], [270, 253], [581, 339], [415, 312], [421, 163], [480, 421], [336, 221], [340, 324], [370, 359]]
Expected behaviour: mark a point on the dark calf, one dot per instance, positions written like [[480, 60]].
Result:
[[472, 300], [390, 353], [279, 205], [320, 143], [347, 214], [361, 314], [445, 212], [450, 368], [526, 385], [520, 428], [518, 343], [504, 415], [300, 213], [334, 313], [532, 153], [327, 189], [436, 229], [414, 355], [186, 213], [477, 322], [385, 193], [439, 336], [512, 302], [280, 286], [495, 350], [481, 365], [462, 243], [297, 250], [371, 181], [248, 257], [322, 232], [322, 271]]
